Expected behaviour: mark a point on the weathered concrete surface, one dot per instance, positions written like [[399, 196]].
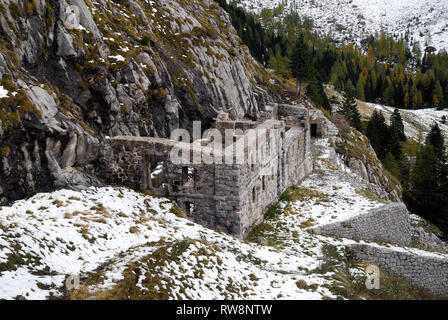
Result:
[[427, 270], [389, 223]]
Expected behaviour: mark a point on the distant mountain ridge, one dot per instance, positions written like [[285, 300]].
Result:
[[424, 21]]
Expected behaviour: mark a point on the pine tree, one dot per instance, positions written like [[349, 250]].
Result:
[[422, 180], [349, 88], [379, 134], [372, 131], [414, 97], [316, 93], [437, 141], [428, 187], [389, 95], [445, 94], [391, 164], [300, 63], [417, 53], [350, 110], [396, 125]]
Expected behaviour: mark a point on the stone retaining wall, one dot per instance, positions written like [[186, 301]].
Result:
[[389, 223], [426, 270]]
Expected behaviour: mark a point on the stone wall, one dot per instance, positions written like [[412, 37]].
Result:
[[208, 193], [298, 159], [426, 270], [287, 110], [227, 196], [389, 223], [260, 182]]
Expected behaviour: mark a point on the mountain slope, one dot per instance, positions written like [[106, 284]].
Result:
[[138, 248], [357, 19], [75, 72]]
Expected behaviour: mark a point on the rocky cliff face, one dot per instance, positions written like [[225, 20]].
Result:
[[359, 156], [74, 72]]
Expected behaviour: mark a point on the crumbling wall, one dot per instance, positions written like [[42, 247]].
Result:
[[226, 196], [287, 110], [207, 192], [318, 124], [211, 192]]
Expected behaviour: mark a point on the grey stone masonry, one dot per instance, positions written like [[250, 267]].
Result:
[[389, 223], [426, 270], [266, 157]]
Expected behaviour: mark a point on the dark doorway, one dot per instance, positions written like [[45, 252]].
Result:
[[189, 208], [314, 129], [184, 175]]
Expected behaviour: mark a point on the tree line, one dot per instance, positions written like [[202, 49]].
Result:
[[423, 175], [381, 69]]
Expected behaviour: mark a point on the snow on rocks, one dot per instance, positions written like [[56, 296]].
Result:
[[425, 22], [416, 122], [3, 92], [50, 236], [118, 57], [115, 237]]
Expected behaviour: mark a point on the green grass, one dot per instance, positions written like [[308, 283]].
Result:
[[295, 193], [261, 230]]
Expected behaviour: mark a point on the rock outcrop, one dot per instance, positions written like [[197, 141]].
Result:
[[359, 156], [78, 71]]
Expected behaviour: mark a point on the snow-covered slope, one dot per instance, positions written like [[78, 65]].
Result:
[[417, 123], [355, 19], [124, 244], [50, 236]]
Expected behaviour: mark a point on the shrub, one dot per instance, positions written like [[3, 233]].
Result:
[[145, 40]]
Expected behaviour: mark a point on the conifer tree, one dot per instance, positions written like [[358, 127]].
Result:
[[389, 95], [414, 97], [300, 63], [350, 110], [437, 141], [379, 134], [391, 164], [396, 125], [428, 183], [422, 181], [316, 93], [373, 131], [445, 94], [360, 90]]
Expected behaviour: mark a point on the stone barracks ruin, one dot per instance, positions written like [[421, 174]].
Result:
[[242, 169]]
